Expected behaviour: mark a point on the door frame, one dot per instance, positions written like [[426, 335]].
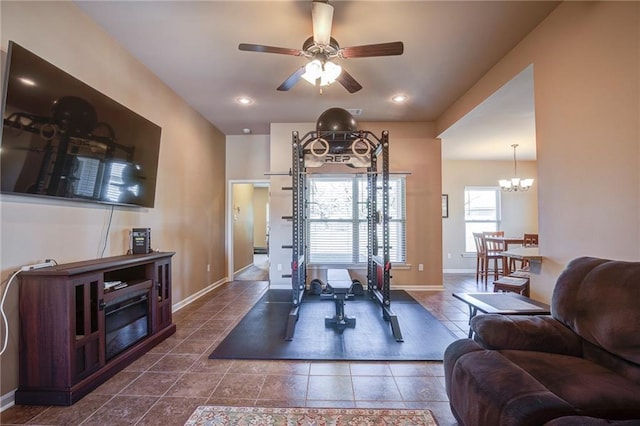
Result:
[[229, 217]]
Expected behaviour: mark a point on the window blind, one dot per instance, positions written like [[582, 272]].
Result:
[[337, 219]]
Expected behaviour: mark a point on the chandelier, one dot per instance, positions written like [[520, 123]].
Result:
[[515, 183]]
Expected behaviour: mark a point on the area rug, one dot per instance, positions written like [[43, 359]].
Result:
[[257, 416], [261, 333]]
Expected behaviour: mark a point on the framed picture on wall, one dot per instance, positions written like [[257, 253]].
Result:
[[445, 205]]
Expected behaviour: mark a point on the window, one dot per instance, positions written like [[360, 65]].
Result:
[[481, 212], [337, 219]]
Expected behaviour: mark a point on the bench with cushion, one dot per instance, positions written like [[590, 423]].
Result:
[[341, 284]]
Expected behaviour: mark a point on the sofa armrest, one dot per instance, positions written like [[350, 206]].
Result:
[[532, 333]]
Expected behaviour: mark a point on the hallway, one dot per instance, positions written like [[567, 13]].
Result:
[[259, 271]]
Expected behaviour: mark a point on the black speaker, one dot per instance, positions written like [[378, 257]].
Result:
[[141, 240]]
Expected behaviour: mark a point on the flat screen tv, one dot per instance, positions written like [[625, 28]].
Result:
[[64, 139]]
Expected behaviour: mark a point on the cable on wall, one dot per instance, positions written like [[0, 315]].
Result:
[[47, 263], [106, 234], [4, 316]]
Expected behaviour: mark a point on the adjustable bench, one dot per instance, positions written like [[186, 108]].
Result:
[[341, 283]]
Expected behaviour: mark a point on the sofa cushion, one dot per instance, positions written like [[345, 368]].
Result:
[[485, 388], [534, 333], [597, 299], [590, 388]]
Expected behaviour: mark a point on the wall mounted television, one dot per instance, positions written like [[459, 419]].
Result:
[[63, 139]]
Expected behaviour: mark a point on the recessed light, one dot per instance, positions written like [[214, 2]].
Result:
[[27, 81], [399, 98], [246, 131], [244, 100]]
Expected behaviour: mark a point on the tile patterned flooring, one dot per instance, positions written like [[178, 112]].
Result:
[[165, 385]]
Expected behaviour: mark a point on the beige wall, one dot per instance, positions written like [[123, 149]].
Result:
[[247, 157], [412, 148], [587, 107], [188, 217], [242, 225], [247, 161], [519, 209]]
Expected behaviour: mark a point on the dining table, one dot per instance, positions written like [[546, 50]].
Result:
[[530, 254], [503, 242]]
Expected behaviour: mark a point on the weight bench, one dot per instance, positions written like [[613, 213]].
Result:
[[341, 283]]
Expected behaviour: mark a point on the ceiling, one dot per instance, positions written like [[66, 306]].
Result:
[[448, 46]]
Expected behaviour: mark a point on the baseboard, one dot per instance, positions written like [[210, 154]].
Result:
[[459, 271], [198, 295], [281, 286], [241, 270], [7, 400], [418, 287]]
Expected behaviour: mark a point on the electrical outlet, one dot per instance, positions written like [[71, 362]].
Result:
[[420, 267], [208, 267], [279, 267], [449, 256]]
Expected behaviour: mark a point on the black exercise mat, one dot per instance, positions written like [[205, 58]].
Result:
[[260, 334]]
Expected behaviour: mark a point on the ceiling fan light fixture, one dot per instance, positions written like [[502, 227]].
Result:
[[327, 73], [323, 47], [312, 71], [331, 73], [322, 16]]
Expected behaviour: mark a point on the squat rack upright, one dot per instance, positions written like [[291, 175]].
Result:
[[358, 149]]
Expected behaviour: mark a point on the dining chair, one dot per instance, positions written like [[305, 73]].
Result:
[[493, 233], [480, 254], [529, 240], [489, 255]]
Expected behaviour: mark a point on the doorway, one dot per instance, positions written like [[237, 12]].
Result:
[[248, 230]]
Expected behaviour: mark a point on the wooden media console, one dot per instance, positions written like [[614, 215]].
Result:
[[82, 322]]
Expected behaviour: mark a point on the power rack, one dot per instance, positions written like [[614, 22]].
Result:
[[359, 150]]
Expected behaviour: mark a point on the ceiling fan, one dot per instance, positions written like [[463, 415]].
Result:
[[321, 49]]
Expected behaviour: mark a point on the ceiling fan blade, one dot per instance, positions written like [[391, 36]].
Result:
[[269, 49], [292, 80], [348, 82], [382, 49], [322, 17]]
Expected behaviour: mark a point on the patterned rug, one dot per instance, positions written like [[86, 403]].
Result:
[[256, 416]]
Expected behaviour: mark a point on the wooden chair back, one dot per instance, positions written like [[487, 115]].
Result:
[[493, 246], [493, 233], [480, 245], [530, 240]]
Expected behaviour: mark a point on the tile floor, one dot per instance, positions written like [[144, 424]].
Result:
[[164, 386]]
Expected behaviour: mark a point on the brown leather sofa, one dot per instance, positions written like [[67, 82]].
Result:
[[578, 366]]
